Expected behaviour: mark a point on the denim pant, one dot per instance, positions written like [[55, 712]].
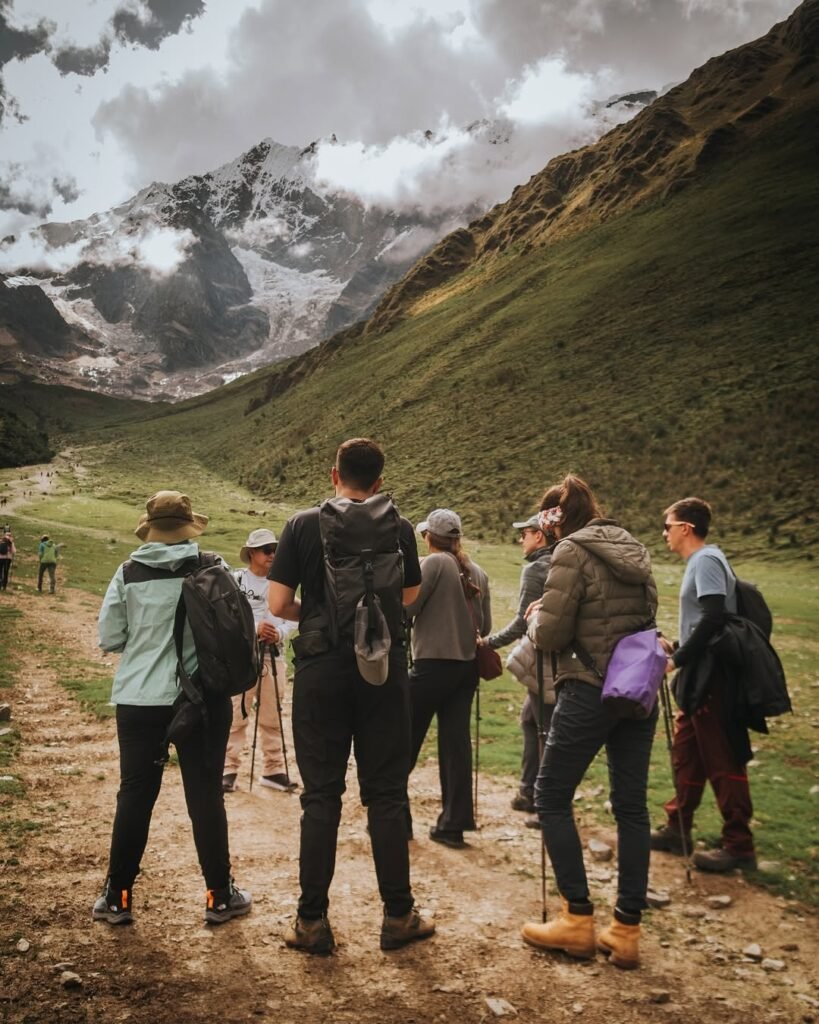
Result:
[[444, 688], [580, 726], [140, 731], [334, 710]]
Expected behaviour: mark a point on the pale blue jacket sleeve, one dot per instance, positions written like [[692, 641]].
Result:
[[113, 621]]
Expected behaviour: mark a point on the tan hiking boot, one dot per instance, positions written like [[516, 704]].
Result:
[[568, 933], [722, 860], [398, 931], [621, 944], [310, 936]]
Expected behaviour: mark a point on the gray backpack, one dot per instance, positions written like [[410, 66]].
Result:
[[364, 574]]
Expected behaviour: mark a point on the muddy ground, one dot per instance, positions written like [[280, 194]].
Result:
[[168, 967]]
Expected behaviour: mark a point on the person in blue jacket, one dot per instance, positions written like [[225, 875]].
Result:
[[137, 619]]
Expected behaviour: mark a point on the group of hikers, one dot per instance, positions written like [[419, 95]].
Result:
[[48, 554], [386, 642]]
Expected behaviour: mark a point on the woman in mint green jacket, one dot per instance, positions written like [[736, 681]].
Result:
[[137, 620]]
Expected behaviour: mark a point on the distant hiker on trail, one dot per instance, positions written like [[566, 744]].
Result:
[[7, 553], [137, 618], [450, 614], [599, 589], [705, 744], [269, 693], [522, 660], [356, 562], [48, 552]]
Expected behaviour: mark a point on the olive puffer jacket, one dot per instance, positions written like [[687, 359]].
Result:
[[599, 588]]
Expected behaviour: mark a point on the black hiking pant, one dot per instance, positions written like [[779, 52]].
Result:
[[530, 727], [140, 731], [444, 688], [5, 566], [581, 725], [334, 711]]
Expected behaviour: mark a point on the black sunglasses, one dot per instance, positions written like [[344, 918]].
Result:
[[269, 549]]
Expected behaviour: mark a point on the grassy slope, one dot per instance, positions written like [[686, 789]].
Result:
[[669, 351]]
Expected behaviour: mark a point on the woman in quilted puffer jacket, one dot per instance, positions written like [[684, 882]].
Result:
[[598, 590]]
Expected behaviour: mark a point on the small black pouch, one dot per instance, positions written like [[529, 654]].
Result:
[[311, 643]]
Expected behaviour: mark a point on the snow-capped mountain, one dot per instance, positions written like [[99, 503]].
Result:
[[190, 284]]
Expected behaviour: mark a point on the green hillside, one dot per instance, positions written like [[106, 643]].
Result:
[[671, 350]]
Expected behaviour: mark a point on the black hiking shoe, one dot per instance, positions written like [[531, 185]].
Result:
[[399, 931], [311, 936], [670, 840], [523, 802], [281, 782], [113, 907], [229, 783], [447, 837], [224, 904]]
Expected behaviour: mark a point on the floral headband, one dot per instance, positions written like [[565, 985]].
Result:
[[551, 517]]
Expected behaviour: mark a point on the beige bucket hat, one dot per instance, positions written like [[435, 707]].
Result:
[[257, 539]]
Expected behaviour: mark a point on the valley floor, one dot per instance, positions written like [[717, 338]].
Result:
[[169, 967]]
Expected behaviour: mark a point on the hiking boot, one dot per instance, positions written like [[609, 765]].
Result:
[[114, 907], [522, 802], [224, 904], [281, 782], [311, 936], [229, 783], [670, 840], [398, 931], [447, 837], [621, 944], [723, 860], [533, 821], [570, 932]]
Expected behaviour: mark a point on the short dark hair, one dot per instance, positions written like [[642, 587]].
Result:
[[576, 499], [695, 512], [360, 462]]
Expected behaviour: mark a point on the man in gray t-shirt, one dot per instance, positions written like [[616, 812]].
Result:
[[702, 748]]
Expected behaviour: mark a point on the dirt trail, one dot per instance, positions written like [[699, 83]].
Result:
[[169, 967]]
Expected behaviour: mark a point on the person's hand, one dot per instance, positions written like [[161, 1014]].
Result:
[[268, 633], [670, 667], [482, 641], [667, 646], [533, 609]]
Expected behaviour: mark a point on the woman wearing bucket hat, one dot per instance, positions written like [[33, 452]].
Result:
[[450, 613], [258, 553], [137, 619]]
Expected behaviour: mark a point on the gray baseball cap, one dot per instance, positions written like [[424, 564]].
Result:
[[442, 521], [532, 523]]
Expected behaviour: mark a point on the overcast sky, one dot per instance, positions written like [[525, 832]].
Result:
[[100, 97]]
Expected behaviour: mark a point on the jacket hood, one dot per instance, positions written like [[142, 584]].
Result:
[[533, 556], [165, 556], [626, 557]]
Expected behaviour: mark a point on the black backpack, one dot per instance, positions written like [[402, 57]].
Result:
[[362, 556], [224, 632], [4, 547], [752, 605]]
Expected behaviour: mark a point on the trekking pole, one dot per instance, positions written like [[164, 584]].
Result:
[[477, 745], [541, 743], [256, 722], [665, 700], [274, 653]]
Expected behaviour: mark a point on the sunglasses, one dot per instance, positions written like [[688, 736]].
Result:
[[268, 549], [668, 527]]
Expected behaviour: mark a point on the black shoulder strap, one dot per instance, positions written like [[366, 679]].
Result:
[[188, 686]]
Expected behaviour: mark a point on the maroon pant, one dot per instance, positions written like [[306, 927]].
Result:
[[701, 751]]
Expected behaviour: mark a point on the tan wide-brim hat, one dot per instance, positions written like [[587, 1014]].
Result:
[[169, 519], [257, 539]]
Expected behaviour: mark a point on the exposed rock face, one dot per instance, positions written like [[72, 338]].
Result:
[[662, 149]]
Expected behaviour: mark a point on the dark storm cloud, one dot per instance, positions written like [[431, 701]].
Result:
[[66, 188], [83, 60], [151, 21], [18, 44]]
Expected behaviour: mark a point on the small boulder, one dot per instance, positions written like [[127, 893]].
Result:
[[753, 952], [720, 902], [68, 979], [659, 995], [501, 1007], [599, 850], [23, 945], [769, 964]]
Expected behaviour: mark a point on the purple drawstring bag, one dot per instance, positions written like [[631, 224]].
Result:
[[634, 674]]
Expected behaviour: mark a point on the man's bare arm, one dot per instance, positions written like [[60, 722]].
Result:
[[409, 594], [281, 601]]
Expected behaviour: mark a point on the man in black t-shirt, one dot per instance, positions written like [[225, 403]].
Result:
[[334, 709]]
